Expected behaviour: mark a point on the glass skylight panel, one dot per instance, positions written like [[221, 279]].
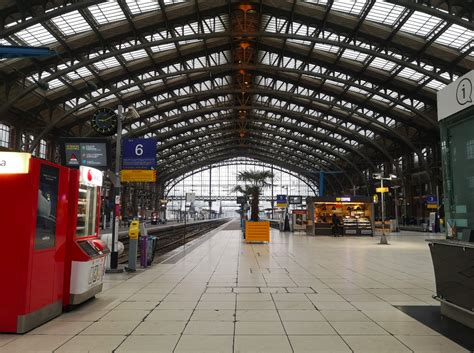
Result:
[[411, 74], [435, 84], [354, 55], [385, 13], [383, 64], [133, 55], [141, 6], [36, 35], [71, 23], [420, 24], [106, 63], [79, 73], [106, 12], [349, 6], [163, 47], [456, 36]]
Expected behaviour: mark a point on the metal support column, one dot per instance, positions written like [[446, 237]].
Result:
[[117, 188]]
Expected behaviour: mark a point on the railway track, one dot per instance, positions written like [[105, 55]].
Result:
[[174, 236]]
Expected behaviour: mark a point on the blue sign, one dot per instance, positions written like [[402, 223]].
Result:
[[431, 199], [139, 154], [281, 198]]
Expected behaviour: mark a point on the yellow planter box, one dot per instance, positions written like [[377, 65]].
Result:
[[257, 231]]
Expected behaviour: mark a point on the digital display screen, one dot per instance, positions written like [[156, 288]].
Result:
[[87, 152], [295, 200], [47, 206]]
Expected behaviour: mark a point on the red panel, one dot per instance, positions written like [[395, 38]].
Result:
[[34, 277]]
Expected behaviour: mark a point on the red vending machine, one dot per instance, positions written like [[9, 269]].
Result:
[[86, 253], [33, 218]]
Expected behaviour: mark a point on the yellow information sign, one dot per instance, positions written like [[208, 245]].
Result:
[[138, 176], [382, 190]]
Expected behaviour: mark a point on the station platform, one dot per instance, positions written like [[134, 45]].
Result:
[[295, 294]]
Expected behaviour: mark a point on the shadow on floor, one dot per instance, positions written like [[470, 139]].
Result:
[[431, 317]]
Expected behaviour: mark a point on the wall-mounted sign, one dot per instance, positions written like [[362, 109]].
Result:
[[381, 190], [190, 197], [281, 201], [137, 176], [90, 152], [456, 96], [14, 163], [139, 154], [295, 200], [90, 176]]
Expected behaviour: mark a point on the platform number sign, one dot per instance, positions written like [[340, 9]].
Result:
[[139, 154]]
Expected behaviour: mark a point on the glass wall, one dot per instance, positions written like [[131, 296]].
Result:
[[217, 183]]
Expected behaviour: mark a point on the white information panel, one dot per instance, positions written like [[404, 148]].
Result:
[[456, 96], [85, 275]]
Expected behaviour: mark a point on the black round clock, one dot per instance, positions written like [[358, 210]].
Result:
[[104, 121]]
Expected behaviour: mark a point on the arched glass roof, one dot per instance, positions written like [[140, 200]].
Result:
[[308, 84]]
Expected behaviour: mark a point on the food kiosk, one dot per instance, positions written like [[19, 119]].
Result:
[[86, 253], [34, 214], [355, 215]]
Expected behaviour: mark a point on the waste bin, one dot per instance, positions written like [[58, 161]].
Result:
[[150, 251], [393, 225]]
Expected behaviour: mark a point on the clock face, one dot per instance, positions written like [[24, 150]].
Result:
[[104, 121]]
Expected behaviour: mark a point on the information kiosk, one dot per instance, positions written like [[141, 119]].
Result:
[[86, 253], [34, 213]]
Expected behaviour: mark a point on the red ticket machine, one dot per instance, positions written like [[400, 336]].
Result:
[[33, 214], [86, 253]]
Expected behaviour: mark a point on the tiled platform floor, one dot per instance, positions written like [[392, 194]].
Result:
[[297, 294]]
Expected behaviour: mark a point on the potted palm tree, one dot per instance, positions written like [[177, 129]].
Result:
[[255, 183]]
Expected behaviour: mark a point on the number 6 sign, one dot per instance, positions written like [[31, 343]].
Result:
[[139, 154]]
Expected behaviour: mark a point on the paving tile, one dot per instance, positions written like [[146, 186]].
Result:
[[375, 344], [259, 328], [255, 305], [34, 343], [57, 327], [209, 328], [345, 315], [204, 344], [156, 344], [160, 328], [257, 315], [326, 344], [431, 344], [125, 315], [262, 344], [108, 328], [213, 315], [169, 315], [407, 328], [358, 328], [301, 315], [308, 328], [86, 344]]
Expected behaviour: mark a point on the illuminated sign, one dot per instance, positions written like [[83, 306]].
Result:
[[138, 176], [90, 152], [90, 176], [14, 162], [343, 199]]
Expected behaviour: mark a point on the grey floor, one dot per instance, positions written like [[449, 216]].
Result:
[[296, 294]]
